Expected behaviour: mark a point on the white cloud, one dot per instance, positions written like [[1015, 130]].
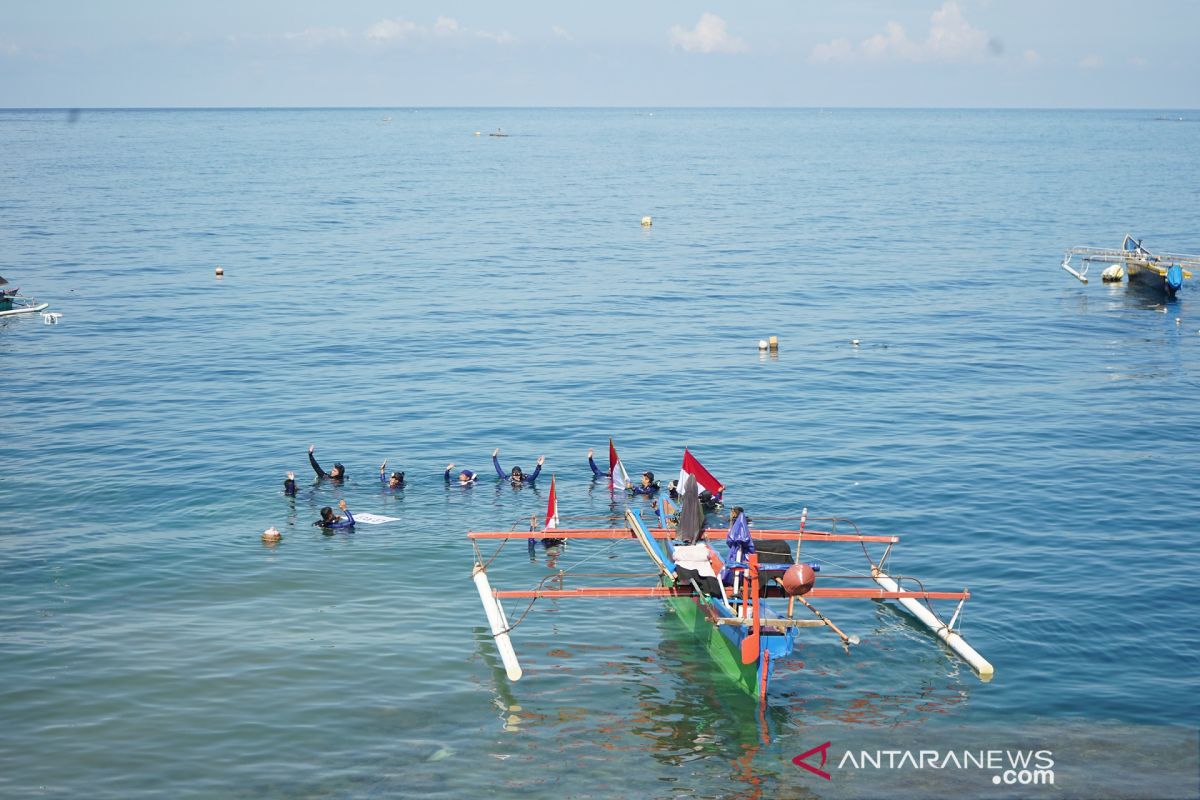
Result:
[[398, 29], [562, 33], [388, 29], [501, 37], [1138, 62], [709, 36], [951, 38], [1091, 62]]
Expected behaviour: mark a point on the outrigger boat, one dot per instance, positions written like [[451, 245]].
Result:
[[1163, 272], [11, 302], [727, 602]]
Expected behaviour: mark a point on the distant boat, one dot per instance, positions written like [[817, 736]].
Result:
[[499, 132], [1160, 272], [12, 303]]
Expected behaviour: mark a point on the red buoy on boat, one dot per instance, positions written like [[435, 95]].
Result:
[[798, 579]]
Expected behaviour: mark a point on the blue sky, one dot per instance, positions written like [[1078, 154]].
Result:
[[916, 53]]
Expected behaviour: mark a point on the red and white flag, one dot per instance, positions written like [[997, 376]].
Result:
[[552, 508], [617, 477], [693, 467]]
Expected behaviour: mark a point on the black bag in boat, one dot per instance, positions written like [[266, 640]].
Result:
[[774, 558]]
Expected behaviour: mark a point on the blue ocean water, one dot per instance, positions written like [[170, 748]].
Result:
[[398, 287]]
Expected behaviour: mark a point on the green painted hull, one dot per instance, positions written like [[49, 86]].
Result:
[[724, 653]]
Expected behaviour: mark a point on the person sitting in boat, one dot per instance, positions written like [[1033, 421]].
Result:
[[647, 487], [330, 521], [394, 481], [289, 485], [337, 473], [517, 476], [465, 477]]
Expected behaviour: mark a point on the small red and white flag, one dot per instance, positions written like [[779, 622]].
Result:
[[552, 508], [691, 466], [617, 477]]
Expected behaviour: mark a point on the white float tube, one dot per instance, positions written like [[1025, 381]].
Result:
[[498, 623], [926, 617], [1066, 264]]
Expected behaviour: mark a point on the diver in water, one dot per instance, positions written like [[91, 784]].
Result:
[[596, 471], [289, 485], [517, 476], [337, 473], [465, 478], [330, 521], [648, 486], [394, 481]]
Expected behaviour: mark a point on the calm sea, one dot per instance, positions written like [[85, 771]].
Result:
[[399, 287]]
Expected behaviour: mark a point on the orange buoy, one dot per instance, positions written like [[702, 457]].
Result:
[[798, 579]]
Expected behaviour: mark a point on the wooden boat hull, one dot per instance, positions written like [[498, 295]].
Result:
[[1150, 276]]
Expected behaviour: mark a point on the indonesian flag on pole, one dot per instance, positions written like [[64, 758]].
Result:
[[552, 508], [617, 477], [703, 477]]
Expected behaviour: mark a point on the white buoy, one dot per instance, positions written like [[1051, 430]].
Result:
[[1113, 273], [953, 640], [647, 221], [854, 342], [498, 623], [271, 535], [220, 271], [762, 344]]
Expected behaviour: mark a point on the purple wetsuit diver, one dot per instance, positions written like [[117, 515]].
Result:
[[517, 476], [391, 482], [465, 478], [648, 486], [337, 473], [330, 521]]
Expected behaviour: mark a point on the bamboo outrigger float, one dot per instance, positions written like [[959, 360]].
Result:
[[726, 602], [1163, 272]]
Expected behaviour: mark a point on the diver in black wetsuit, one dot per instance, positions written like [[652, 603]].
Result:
[[516, 476], [337, 473], [289, 485]]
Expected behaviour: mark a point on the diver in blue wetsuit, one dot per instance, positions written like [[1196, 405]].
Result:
[[596, 471], [516, 476], [337, 473], [648, 486], [330, 521], [465, 478], [394, 481], [289, 485]]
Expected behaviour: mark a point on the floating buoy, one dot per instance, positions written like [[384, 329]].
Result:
[[854, 342], [647, 221], [773, 342], [798, 579], [762, 344], [271, 535], [220, 271], [1113, 273], [477, 133]]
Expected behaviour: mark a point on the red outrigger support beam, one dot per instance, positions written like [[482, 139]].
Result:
[[818, 592], [662, 533]]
